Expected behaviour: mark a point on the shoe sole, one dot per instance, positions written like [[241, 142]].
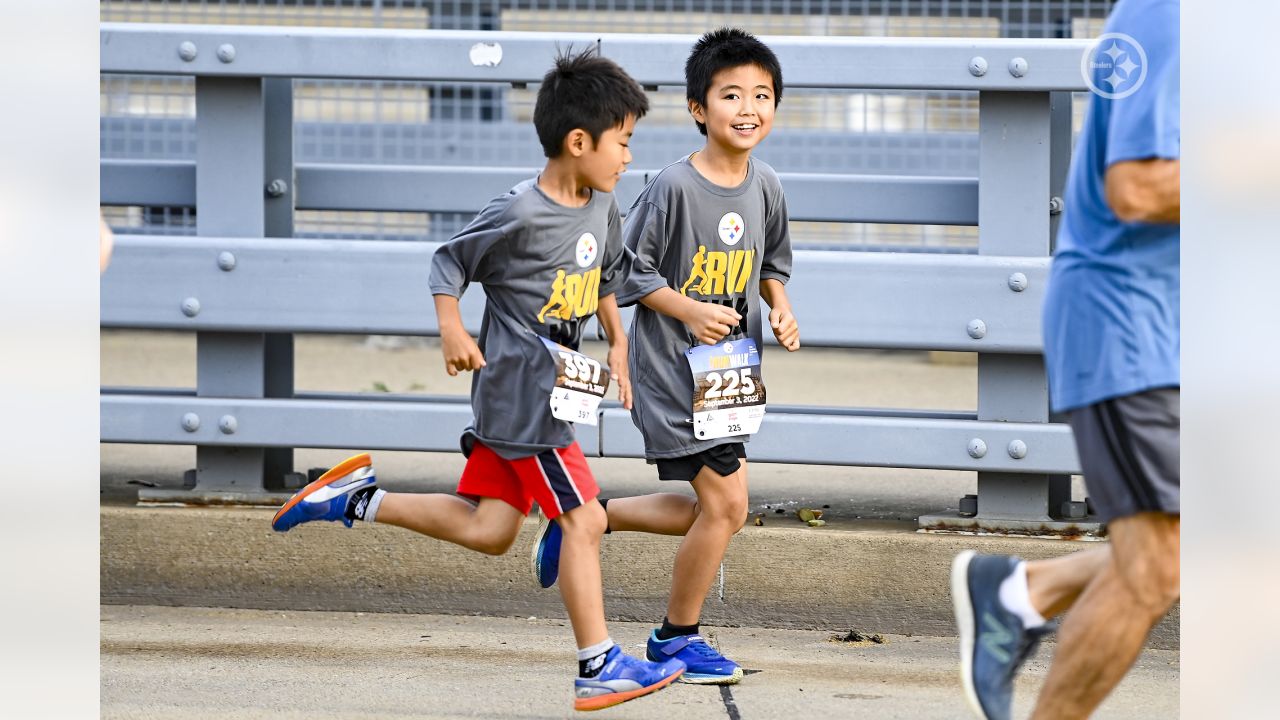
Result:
[[601, 702], [544, 525], [963, 606], [346, 467], [697, 679]]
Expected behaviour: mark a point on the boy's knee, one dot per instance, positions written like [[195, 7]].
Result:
[[729, 509], [587, 520], [496, 541]]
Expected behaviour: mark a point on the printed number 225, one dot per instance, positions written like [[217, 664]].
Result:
[[731, 383]]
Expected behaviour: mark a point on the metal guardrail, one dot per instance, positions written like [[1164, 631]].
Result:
[[451, 56], [418, 188], [243, 287]]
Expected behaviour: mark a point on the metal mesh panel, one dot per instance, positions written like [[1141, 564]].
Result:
[[922, 133]]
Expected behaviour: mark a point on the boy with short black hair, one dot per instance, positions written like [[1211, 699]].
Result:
[[549, 253], [714, 224]]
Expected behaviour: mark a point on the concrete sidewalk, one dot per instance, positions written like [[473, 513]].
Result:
[[241, 664]]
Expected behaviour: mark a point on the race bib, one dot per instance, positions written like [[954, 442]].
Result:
[[580, 385], [728, 393]]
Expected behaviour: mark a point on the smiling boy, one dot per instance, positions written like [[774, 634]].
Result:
[[713, 224]]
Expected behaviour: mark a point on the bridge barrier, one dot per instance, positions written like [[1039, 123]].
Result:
[[244, 286]]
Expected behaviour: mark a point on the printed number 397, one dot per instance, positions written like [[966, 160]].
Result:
[[578, 367]]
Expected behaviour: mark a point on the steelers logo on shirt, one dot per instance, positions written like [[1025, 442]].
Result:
[[731, 228], [587, 249]]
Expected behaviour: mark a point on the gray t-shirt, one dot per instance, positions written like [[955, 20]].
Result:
[[710, 243], [544, 268]]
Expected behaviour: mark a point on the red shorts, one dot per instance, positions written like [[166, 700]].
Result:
[[559, 480]]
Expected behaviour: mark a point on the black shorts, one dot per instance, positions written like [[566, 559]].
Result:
[[1129, 451], [722, 459]]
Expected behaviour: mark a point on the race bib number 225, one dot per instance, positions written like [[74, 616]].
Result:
[[728, 392]]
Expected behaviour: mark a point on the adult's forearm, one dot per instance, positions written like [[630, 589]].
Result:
[[1145, 190]]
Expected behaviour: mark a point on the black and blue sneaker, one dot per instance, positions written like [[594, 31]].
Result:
[[328, 496], [623, 678], [993, 641], [704, 664], [545, 559]]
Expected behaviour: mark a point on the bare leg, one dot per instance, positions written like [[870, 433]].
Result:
[[1105, 631], [580, 583], [1055, 584], [659, 513], [489, 527], [723, 503]]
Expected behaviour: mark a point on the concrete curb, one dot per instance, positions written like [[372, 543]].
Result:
[[782, 575]]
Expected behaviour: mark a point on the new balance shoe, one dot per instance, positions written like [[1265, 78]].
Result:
[[705, 665], [328, 496], [623, 678], [545, 559], [993, 641]]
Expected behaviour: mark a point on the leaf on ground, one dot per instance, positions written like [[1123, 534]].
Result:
[[853, 636], [817, 523], [759, 519], [380, 386], [806, 514]]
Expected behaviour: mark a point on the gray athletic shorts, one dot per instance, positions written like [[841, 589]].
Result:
[[1129, 452]]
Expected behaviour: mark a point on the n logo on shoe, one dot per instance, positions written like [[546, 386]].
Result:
[[994, 634]]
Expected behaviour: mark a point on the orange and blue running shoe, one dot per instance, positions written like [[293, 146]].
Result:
[[327, 498]]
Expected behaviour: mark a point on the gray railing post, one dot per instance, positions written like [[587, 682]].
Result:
[[281, 194], [230, 202], [1014, 183]]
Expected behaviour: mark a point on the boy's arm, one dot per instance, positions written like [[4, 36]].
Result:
[[611, 320], [781, 319], [645, 237], [466, 258], [460, 350], [708, 322]]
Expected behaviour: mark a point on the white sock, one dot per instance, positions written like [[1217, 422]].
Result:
[[599, 648], [371, 512], [1016, 598], [591, 659]]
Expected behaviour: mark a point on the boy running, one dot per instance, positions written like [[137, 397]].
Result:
[[549, 253], [713, 224]]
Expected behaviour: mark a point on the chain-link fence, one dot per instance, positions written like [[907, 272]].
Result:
[[918, 133]]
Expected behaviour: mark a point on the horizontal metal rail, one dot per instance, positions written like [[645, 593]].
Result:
[[523, 57], [791, 434], [417, 188], [847, 299], [441, 141]]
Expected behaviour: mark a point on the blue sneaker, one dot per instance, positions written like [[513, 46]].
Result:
[[705, 665], [623, 678], [327, 497], [545, 559], [993, 641]]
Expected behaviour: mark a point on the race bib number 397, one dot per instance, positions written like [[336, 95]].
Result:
[[728, 392], [581, 383]]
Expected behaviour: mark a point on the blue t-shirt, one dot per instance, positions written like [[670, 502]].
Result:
[[1111, 314]]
